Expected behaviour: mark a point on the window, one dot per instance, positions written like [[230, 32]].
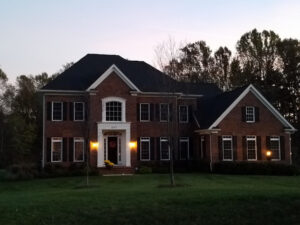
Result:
[[113, 111], [251, 147], [57, 111], [164, 112], [56, 149], [275, 147], [184, 148], [183, 114], [227, 148], [78, 111], [164, 149], [250, 114], [145, 148], [78, 150], [144, 112]]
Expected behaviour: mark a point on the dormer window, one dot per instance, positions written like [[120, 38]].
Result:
[[250, 114], [113, 109]]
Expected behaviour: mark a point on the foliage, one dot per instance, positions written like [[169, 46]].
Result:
[[144, 170]]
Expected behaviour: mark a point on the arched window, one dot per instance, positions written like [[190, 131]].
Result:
[[113, 111]]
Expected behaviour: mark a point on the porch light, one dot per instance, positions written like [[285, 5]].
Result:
[[133, 145], [94, 145], [269, 154]]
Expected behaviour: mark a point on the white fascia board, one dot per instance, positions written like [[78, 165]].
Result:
[[112, 68], [262, 99]]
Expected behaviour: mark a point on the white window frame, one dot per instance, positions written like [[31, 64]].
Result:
[[164, 139], [74, 111], [78, 139], [62, 109], [246, 114], [114, 99], [251, 138], [53, 140], [145, 139], [187, 115], [141, 112], [227, 138], [184, 139], [276, 138], [160, 111]]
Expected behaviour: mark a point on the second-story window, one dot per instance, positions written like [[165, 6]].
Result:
[[250, 114], [57, 111], [183, 114], [144, 112], [164, 112], [113, 111], [78, 111]]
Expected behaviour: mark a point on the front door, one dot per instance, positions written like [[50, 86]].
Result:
[[112, 149]]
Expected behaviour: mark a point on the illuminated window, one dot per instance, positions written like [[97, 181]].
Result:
[[145, 148], [78, 150], [183, 113], [164, 149], [250, 114], [56, 149], [144, 112], [184, 148], [227, 148], [57, 111], [275, 147], [251, 148], [78, 111]]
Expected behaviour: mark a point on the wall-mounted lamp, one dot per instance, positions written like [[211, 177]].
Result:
[[269, 155], [94, 145], [133, 145]]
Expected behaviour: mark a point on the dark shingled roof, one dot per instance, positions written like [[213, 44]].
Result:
[[87, 70], [211, 108]]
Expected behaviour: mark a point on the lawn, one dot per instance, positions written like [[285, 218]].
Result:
[[144, 199]]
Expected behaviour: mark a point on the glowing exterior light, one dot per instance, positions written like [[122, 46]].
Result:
[[269, 153], [94, 145], [133, 145]]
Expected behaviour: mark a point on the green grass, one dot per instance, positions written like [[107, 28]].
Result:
[[144, 199]]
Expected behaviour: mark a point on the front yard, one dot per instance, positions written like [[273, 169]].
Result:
[[144, 199]]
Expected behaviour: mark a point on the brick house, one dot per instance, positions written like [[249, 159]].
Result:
[[118, 103]]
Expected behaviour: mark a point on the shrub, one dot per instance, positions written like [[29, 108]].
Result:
[[21, 172], [255, 168], [144, 170]]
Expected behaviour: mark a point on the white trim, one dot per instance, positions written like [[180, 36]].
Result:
[[74, 111], [187, 140], [145, 139], [113, 99], [168, 116], [276, 138], [251, 138], [227, 138], [164, 139], [109, 71], [57, 139], [187, 116], [153, 94], [141, 112], [246, 114], [62, 109], [59, 91], [79, 139], [263, 100]]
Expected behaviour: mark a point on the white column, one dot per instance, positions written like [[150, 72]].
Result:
[[100, 151], [127, 137]]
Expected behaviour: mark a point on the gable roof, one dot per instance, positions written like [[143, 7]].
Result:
[[214, 109], [140, 76]]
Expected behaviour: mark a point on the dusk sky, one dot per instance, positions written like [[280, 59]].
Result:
[[41, 36]]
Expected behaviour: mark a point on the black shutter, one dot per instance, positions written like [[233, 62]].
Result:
[[244, 114], [152, 148], [190, 113], [170, 112], [138, 112], [282, 147], [48, 155], [86, 112], [158, 148], [268, 143], [49, 110], [157, 112], [65, 150], [220, 148], [234, 144], [138, 149], [191, 148], [71, 112], [258, 140], [244, 148], [64, 111], [71, 150], [151, 112], [256, 114]]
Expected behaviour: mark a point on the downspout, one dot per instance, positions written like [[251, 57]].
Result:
[[43, 151], [290, 146]]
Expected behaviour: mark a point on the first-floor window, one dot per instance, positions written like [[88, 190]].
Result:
[[145, 148], [184, 148], [251, 148], [164, 149], [78, 149], [56, 149], [227, 148], [275, 147]]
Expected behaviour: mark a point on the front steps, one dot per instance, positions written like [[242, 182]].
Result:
[[117, 170]]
